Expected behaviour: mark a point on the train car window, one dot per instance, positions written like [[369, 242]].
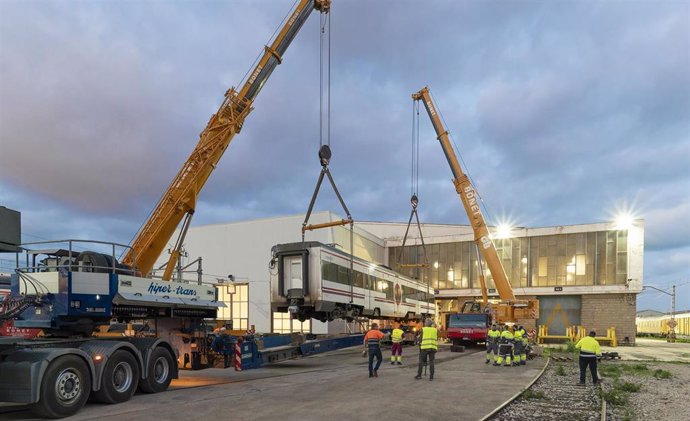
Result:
[[329, 271], [343, 275], [359, 279]]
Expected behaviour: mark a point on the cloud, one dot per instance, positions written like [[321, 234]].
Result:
[[562, 112]]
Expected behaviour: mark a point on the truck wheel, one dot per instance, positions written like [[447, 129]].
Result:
[[159, 371], [64, 389], [120, 378]]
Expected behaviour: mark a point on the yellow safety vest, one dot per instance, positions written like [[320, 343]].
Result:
[[396, 336], [493, 335], [429, 338], [507, 335], [518, 334], [589, 347]]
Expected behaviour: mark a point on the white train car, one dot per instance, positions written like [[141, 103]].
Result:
[[313, 280]]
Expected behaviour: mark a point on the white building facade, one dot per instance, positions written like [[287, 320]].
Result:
[[585, 274]]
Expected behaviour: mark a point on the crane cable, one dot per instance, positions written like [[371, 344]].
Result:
[[325, 147], [414, 200], [324, 116]]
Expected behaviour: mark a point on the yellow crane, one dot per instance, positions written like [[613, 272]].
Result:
[[509, 309], [179, 200]]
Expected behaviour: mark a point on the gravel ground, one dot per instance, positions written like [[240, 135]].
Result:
[[556, 396], [662, 395], [657, 399]]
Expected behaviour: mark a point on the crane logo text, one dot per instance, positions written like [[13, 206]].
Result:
[[294, 16], [472, 200], [156, 288], [255, 74]]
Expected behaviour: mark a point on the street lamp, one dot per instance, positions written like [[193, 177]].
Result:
[[624, 221]]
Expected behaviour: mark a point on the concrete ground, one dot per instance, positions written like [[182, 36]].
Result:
[[653, 349], [334, 385]]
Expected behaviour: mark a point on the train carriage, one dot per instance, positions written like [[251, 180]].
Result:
[[658, 325], [313, 280]]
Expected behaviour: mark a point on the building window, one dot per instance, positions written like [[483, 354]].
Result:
[[236, 300], [283, 324], [580, 265], [543, 261]]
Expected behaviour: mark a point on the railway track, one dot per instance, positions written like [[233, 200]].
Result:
[[554, 395]]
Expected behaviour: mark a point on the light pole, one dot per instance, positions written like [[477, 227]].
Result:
[[672, 323]]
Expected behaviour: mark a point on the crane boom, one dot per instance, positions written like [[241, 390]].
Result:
[[469, 198], [179, 200]]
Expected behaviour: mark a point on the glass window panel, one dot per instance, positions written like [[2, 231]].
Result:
[[580, 265], [543, 264]]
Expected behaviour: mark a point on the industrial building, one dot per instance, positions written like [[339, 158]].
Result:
[[588, 274]]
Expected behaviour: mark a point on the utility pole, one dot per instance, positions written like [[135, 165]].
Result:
[[671, 337]]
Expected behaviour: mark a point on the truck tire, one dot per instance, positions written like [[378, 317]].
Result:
[[159, 371], [120, 378], [64, 389]]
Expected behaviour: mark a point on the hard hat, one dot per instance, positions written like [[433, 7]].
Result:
[[222, 329]]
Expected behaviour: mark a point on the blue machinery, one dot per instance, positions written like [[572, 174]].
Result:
[[281, 347]]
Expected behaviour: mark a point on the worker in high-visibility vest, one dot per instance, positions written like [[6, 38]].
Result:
[[518, 345], [589, 351], [525, 347], [427, 348], [492, 343], [505, 347], [396, 345]]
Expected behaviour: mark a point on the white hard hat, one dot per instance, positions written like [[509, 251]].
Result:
[[222, 329]]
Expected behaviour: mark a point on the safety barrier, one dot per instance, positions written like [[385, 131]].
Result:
[[610, 337], [575, 333], [543, 335]]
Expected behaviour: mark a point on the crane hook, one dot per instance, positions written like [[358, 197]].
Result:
[[325, 155], [415, 201]]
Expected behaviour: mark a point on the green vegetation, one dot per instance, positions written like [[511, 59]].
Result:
[[560, 371], [662, 374], [612, 371], [615, 396], [532, 394], [620, 392], [636, 368], [570, 347], [629, 387]]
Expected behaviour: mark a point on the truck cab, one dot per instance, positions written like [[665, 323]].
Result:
[[467, 328]]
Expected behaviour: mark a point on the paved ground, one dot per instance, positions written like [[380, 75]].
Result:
[[653, 349], [334, 386]]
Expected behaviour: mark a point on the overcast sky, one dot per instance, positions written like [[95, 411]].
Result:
[[566, 112]]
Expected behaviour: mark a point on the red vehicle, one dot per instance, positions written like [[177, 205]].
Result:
[[7, 327], [467, 328]]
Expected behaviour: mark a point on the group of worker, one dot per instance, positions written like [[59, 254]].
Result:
[[508, 344], [428, 345]]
